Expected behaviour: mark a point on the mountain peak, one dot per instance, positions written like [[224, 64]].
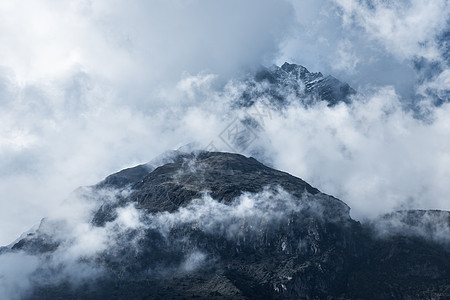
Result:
[[224, 226], [294, 67], [308, 87], [224, 176]]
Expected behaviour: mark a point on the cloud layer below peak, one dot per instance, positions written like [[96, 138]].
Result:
[[90, 87]]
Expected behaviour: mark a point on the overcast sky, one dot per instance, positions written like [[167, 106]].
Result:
[[88, 87]]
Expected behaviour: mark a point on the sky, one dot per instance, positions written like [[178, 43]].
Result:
[[89, 87]]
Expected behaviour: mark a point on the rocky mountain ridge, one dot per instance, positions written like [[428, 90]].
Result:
[[214, 225], [223, 226], [277, 84]]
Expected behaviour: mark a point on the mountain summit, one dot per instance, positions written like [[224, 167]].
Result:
[[278, 83], [218, 225]]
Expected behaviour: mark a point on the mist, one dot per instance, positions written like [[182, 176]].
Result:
[[81, 253], [88, 88]]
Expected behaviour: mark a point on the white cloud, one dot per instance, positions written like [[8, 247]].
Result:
[[87, 87], [405, 28], [371, 154], [440, 85], [90, 87], [14, 274], [347, 60], [140, 41], [368, 43]]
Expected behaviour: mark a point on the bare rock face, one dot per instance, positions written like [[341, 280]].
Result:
[[223, 226], [223, 176], [277, 83]]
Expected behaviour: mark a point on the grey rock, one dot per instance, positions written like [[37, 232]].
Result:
[[277, 83], [302, 245]]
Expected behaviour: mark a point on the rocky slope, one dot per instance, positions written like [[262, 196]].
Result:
[[223, 226], [278, 84]]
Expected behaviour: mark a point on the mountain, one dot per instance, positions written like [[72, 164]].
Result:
[[276, 84], [216, 225]]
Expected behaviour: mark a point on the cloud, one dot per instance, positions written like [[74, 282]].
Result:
[[369, 43], [347, 60], [73, 244], [268, 207], [90, 87], [372, 154], [122, 41], [160, 243], [407, 29], [429, 225], [14, 274], [87, 85]]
